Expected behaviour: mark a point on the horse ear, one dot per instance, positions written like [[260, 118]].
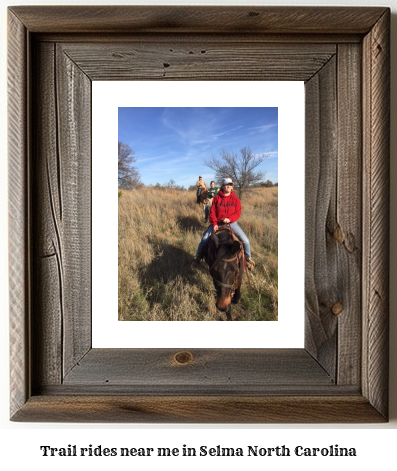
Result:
[[236, 246], [215, 239]]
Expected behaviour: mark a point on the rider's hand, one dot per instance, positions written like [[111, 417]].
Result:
[[215, 227], [226, 221]]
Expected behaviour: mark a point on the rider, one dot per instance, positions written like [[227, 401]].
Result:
[[212, 191], [201, 185], [225, 209]]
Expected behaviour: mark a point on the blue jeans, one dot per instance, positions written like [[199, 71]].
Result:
[[206, 210], [237, 230]]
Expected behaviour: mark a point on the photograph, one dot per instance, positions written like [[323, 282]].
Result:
[[198, 214]]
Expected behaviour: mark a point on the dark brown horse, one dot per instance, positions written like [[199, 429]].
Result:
[[226, 260], [203, 198]]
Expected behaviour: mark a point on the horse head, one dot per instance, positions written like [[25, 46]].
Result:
[[224, 259]]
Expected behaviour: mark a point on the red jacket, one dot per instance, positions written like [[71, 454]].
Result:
[[225, 207]]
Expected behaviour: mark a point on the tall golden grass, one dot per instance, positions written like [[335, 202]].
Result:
[[158, 235]]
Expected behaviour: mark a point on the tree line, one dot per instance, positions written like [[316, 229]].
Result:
[[240, 167], [129, 177]]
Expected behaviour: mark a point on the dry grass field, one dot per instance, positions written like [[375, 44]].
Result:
[[158, 235]]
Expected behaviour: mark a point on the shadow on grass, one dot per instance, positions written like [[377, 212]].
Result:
[[191, 223], [168, 272], [170, 263]]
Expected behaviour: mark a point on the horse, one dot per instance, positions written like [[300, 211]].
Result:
[[203, 198], [206, 217], [226, 261]]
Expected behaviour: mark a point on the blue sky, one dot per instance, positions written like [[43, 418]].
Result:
[[171, 143]]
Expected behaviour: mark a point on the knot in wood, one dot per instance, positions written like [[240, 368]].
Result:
[[337, 308], [183, 358], [338, 235]]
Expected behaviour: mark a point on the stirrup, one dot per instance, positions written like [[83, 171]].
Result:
[[250, 263]]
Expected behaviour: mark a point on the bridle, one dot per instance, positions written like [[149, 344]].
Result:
[[239, 258]]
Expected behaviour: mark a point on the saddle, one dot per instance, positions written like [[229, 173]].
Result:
[[229, 229], [225, 227]]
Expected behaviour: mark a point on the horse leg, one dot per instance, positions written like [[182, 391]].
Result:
[[209, 209], [237, 296]]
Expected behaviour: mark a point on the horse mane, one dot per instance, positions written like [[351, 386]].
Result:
[[224, 247]]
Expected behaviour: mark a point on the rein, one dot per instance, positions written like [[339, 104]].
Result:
[[240, 260]]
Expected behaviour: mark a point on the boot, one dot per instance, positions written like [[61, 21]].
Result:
[[250, 263], [199, 257]]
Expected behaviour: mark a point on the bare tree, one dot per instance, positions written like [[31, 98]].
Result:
[[129, 177], [240, 168], [171, 184]]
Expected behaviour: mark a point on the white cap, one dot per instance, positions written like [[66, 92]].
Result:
[[227, 181]]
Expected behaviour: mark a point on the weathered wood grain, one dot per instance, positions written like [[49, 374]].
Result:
[[338, 378], [62, 205], [199, 409], [198, 19], [333, 215], [376, 92], [321, 277], [224, 59], [48, 280], [19, 249], [252, 369], [73, 93], [347, 225], [244, 37]]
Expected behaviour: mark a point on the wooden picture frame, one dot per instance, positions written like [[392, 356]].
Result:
[[342, 54]]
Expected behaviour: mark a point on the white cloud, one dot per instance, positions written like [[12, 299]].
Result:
[[264, 128]]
